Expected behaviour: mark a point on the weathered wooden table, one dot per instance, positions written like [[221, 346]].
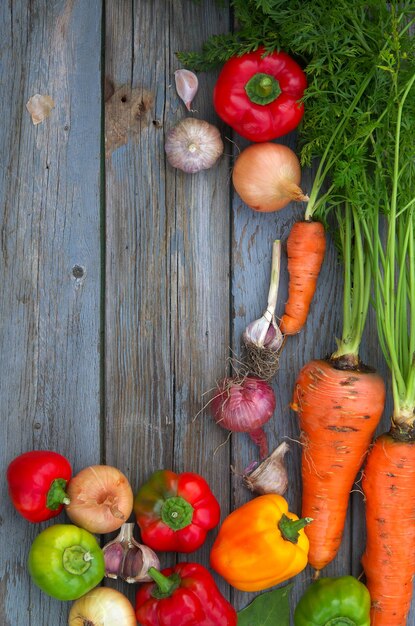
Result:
[[125, 284]]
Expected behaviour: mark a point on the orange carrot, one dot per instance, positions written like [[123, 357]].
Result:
[[339, 410], [306, 245], [389, 558]]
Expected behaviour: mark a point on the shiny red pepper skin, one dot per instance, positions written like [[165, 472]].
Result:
[[194, 601], [175, 511], [260, 122], [36, 482]]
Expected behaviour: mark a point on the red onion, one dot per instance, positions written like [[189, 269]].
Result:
[[245, 405]]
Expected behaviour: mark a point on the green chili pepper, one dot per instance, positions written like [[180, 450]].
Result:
[[66, 561], [342, 601]]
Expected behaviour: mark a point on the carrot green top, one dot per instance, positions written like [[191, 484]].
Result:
[[394, 255], [359, 59]]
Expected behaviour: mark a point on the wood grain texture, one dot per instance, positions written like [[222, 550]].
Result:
[[50, 220], [116, 327], [167, 248]]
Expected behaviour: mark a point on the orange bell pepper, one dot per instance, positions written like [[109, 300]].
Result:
[[260, 544]]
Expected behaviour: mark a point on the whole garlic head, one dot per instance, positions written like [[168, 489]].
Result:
[[193, 145]]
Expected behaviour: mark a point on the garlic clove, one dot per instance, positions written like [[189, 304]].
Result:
[[274, 337], [133, 563], [187, 85], [263, 333], [193, 145], [113, 556], [127, 559], [271, 475]]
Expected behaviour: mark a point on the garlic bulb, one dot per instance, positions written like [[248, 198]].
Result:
[[271, 475], [264, 332], [187, 85], [263, 338], [127, 559], [193, 145]]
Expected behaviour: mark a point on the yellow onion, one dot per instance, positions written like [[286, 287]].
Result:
[[267, 176], [103, 606], [101, 499]]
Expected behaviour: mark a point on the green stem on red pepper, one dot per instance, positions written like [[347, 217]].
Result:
[[176, 513], [166, 585], [57, 495], [262, 88]]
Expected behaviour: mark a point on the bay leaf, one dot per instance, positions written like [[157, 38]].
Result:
[[267, 608]]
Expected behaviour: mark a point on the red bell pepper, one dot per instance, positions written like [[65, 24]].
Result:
[[258, 96], [37, 482], [175, 511], [185, 595]]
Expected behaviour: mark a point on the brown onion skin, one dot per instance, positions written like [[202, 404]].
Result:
[[243, 405], [266, 176], [101, 499]]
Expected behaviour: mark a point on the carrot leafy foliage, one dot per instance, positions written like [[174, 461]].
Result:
[[358, 128]]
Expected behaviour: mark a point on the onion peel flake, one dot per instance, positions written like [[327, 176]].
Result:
[[40, 107]]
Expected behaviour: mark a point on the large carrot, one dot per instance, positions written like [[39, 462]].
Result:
[[339, 402], [339, 407], [389, 476], [389, 559], [306, 245]]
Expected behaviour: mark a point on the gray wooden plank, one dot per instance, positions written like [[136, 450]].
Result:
[[50, 221], [139, 384], [201, 291], [167, 289]]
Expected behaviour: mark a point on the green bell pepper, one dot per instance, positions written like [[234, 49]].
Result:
[[342, 601], [66, 561]]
